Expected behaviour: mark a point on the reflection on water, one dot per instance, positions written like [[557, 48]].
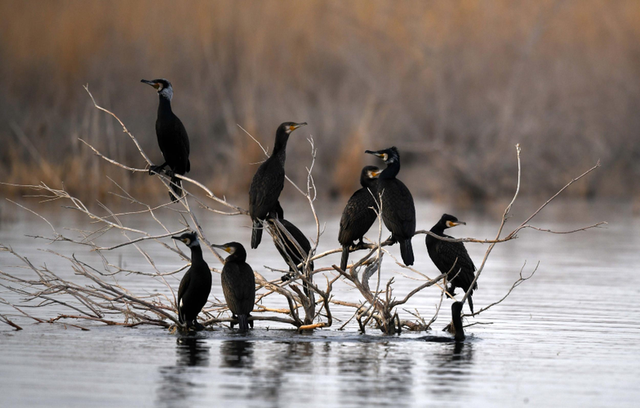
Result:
[[177, 385], [450, 368], [236, 354], [544, 348], [192, 351], [382, 373]]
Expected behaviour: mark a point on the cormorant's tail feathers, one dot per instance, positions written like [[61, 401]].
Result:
[[470, 301], [176, 186], [256, 234], [406, 250], [345, 258], [243, 323]]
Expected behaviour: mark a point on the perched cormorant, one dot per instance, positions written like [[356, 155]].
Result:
[[445, 254], [195, 284], [268, 182], [172, 138], [238, 283], [290, 250], [358, 215], [398, 210]]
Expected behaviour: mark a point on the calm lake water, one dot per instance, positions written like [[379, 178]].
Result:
[[568, 337]]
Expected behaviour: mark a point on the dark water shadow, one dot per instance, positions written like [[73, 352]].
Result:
[[176, 386]]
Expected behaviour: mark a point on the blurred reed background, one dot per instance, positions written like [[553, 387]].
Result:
[[453, 84]]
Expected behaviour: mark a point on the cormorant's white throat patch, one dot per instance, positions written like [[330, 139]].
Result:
[[166, 92]]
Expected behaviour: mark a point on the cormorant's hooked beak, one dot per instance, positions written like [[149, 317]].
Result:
[[225, 248], [297, 125], [153, 84], [453, 224], [375, 173], [379, 153], [185, 240]]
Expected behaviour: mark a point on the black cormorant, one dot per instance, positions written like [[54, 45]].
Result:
[[398, 210], [172, 138], [290, 250], [445, 254], [195, 284], [358, 215], [238, 283], [268, 182]]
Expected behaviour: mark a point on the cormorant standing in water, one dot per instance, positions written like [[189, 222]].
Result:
[[172, 138], [268, 182], [398, 210], [290, 250], [358, 215], [238, 283], [445, 254], [195, 284]]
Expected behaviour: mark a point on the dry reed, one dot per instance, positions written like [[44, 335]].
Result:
[[452, 84]]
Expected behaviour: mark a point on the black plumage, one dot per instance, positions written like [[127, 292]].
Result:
[[358, 215], [195, 285], [290, 252], [398, 210], [238, 283], [268, 182], [456, 318], [172, 138], [447, 254]]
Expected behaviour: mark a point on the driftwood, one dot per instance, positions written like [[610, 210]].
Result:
[[94, 293]]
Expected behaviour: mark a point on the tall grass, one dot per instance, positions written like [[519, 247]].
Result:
[[453, 84]]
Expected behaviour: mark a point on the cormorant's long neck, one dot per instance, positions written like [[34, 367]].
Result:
[[369, 183], [280, 147], [456, 309], [391, 171], [438, 229], [196, 255], [238, 258], [164, 107]]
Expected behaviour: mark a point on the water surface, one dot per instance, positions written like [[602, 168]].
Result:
[[567, 337]]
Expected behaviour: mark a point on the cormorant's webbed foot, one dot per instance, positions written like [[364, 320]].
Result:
[[153, 169], [358, 246], [232, 324], [390, 241], [452, 290], [286, 277], [250, 320]]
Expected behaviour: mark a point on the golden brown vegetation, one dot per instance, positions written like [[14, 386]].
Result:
[[453, 84]]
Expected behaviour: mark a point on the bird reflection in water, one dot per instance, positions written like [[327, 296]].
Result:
[[236, 354], [378, 369], [450, 367], [177, 383], [247, 377], [192, 352]]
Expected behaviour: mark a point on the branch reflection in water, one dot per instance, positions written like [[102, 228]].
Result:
[[177, 385]]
